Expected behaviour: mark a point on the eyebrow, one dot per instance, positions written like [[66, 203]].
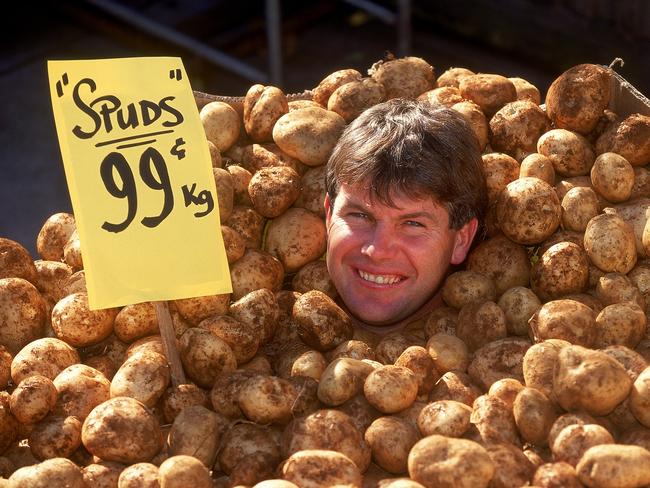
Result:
[[353, 205]]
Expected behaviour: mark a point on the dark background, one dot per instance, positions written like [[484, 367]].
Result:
[[533, 39]]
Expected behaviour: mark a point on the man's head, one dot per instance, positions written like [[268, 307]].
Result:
[[405, 192]]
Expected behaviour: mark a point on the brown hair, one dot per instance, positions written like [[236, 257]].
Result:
[[415, 149]]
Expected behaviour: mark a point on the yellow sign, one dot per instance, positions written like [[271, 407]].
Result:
[[140, 179]]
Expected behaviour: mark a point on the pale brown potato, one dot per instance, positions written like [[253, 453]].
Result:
[[144, 376], [275, 483], [176, 398], [122, 430], [513, 467], [22, 313], [494, 421], [311, 364], [352, 98], [636, 214], [342, 379], [273, 190], [464, 287], [205, 356], [248, 223], [240, 179], [54, 234], [620, 324], [614, 465], [390, 440], [476, 119], [225, 392], [641, 187], [628, 138], [102, 474], [221, 124], [233, 242], [449, 418], [51, 472], [331, 82], [561, 270], [614, 288], [503, 260], [537, 166], [589, 380], [565, 319], [72, 252], [267, 399], [570, 153], [327, 429], [528, 211], [391, 389], [8, 427], [579, 206], [47, 356], [519, 304], [639, 401], [610, 243], [322, 324], [612, 177], [55, 437], [354, 348], [197, 431], [314, 276], [452, 76], [6, 358], [498, 359], [135, 321], [259, 309], [577, 98], [392, 345], [480, 323], [441, 320], [80, 389], [406, 77], [243, 338], [314, 468], [516, 127], [76, 324], [560, 474], [444, 462], [139, 475], [446, 96], [499, 170], [51, 278], [574, 440], [418, 360], [534, 415], [183, 471], [448, 352], [506, 389], [256, 269], [312, 194], [196, 309], [15, 261], [308, 134], [245, 440], [488, 91], [263, 106], [215, 155], [32, 399], [526, 90]]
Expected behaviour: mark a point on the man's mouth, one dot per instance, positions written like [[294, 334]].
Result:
[[380, 279]]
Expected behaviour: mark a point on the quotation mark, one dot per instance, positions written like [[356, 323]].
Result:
[[59, 86], [175, 74]]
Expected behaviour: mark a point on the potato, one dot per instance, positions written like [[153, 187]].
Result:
[[275, 484], [636, 436], [502, 260], [259, 309], [579, 206], [267, 399], [352, 98], [572, 441], [263, 106], [441, 320], [628, 138], [514, 468], [498, 359], [32, 399], [248, 223], [205, 356], [620, 323], [80, 389], [448, 353], [639, 401], [499, 169], [327, 429], [254, 270], [6, 359], [442, 462], [614, 465], [476, 119], [569, 152], [245, 440], [452, 76], [612, 177], [102, 474], [308, 134], [122, 430], [534, 415], [183, 471], [390, 440], [176, 398], [221, 124], [243, 338], [296, 238], [480, 323], [144, 376], [197, 431], [526, 90], [488, 91], [196, 309], [391, 389], [72, 252], [406, 77], [55, 437], [331, 82], [519, 304], [51, 472], [54, 234], [139, 475], [314, 276], [342, 379], [614, 288], [558, 475], [15, 261], [418, 360], [51, 279], [562, 269], [589, 380], [610, 243], [47, 356], [322, 324], [312, 194], [354, 349], [577, 98], [516, 127], [506, 389], [448, 418], [635, 214], [240, 179], [494, 420], [444, 95], [528, 211], [22, 311], [313, 468], [273, 190], [464, 287], [392, 345], [233, 242], [135, 321], [76, 324], [565, 319], [215, 155]]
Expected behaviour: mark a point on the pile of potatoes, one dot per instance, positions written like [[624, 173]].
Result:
[[533, 373]]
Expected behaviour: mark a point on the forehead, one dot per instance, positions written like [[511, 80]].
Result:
[[363, 195]]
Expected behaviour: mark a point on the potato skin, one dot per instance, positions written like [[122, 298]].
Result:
[[32, 399], [332, 82], [22, 313], [390, 440], [406, 77], [628, 138], [181, 471], [221, 124], [263, 106], [55, 437], [534, 415], [314, 468], [444, 417], [205, 356], [488, 91], [517, 126], [352, 98], [54, 233], [610, 243], [197, 431], [51, 472], [391, 389], [561, 270], [47, 356], [565, 319], [273, 190], [322, 324], [570, 153], [144, 376], [614, 465]]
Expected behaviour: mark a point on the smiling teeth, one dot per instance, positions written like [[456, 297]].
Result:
[[379, 279]]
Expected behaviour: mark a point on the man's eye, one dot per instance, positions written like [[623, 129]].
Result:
[[358, 215], [414, 223]]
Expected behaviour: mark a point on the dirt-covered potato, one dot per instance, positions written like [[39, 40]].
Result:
[[246, 440], [628, 138], [263, 106], [308, 134], [352, 98], [51, 279], [215, 155], [390, 388], [480, 323], [47, 356], [122, 430], [15, 261], [260, 309], [205, 356], [406, 77], [248, 223], [310, 363], [534, 415], [55, 437], [488, 91], [448, 352], [254, 270], [513, 467], [322, 324], [617, 288], [516, 127], [392, 345], [327, 429], [565, 319], [610, 243], [331, 82], [562, 269], [589, 380], [579, 206], [22, 312], [221, 124], [135, 321], [537, 166], [572, 441], [6, 359], [476, 119], [539, 363], [76, 324], [418, 360], [452, 76], [498, 359], [441, 320], [197, 431], [80, 388], [526, 90], [614, 465], [233, 242], [51, 472], [267, 399], [144, 376], [176, 398], [32, 399], [225, 193], [314, 276], [243, 338], [620, 324], [182, 471], [314, 468], [569, 152], [449, 418], [240, 179], [273, 190], [390, 440], [312, 195], [54, 234], [446, 96], [72, 252], [342, 379], [443, 462], [196, 309], [612, 176], [499, 169], [494, 420], [139, 475], [558, 474], [464, 287], [519, 304], [506, 389], [577, 98], [640, 398], [354, 348]]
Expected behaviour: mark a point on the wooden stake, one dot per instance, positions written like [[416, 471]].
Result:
[[169, 343]]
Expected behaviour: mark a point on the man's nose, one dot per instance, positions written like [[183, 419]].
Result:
[[381, 243]]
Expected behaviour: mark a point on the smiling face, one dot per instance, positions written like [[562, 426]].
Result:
[[387, 261]]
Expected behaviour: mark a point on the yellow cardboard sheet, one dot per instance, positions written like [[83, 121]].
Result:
[[140, 179]]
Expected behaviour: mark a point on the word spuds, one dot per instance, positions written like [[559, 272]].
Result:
[[107, 111]]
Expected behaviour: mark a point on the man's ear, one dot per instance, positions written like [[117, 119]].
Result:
[[328, 210], [463, 241]]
